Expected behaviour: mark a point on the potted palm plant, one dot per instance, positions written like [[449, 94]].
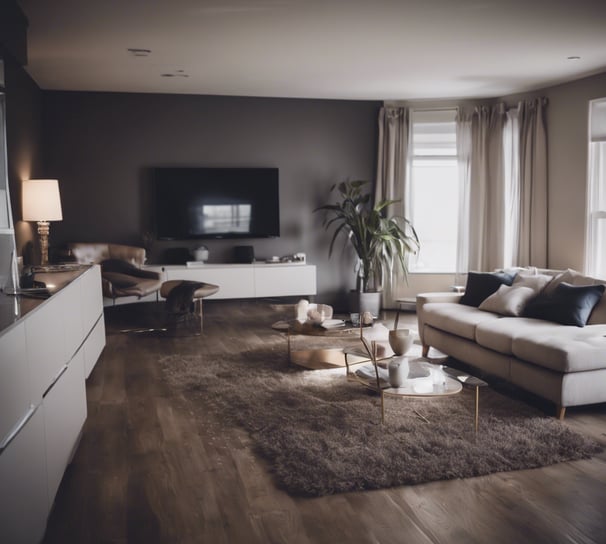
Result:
[[380, 243]]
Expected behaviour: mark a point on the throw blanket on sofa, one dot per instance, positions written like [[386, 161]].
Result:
[[180, 299]]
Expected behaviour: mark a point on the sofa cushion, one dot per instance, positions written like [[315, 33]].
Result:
[[455, 318], [499, 335], [563, 348], [480, 285], [568, 304]]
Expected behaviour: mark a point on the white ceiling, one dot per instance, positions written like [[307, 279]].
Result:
[[345, 49]]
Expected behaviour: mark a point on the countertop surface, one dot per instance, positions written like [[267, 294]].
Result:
[[13, 308]]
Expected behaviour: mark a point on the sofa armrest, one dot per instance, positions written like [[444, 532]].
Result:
[[425, 298]]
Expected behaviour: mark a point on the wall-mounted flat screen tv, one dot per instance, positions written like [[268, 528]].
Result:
[[216, 203]]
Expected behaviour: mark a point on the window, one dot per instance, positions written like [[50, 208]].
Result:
[[433, 190], [595, 255]]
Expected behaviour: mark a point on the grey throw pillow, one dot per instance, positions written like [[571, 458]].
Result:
[[508, 300], [537, 282]]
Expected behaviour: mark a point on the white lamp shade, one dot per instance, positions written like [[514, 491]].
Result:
[[41, 200]]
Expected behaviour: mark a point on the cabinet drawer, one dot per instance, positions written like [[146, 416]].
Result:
[[233, 282], [45, 336], [64, 415], [23, 485], [15, 392], [91, 298], [67, 303], [94, 346], [280, 281]]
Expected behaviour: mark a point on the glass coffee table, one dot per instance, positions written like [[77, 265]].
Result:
[[423, 379], [420, 379], [317, 358]]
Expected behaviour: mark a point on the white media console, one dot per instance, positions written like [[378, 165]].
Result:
[[256, 280]]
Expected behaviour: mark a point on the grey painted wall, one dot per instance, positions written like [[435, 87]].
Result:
[[567, 162], [101, 147]]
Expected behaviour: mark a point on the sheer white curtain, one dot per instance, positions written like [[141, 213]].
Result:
[[390, 184], [464, 159], [532, 232], [511, 153], [481, 206]]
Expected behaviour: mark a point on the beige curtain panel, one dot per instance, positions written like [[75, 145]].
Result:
[[532, 237], [390, 183]]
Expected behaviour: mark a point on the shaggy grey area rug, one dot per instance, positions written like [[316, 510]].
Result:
[[322, 433]]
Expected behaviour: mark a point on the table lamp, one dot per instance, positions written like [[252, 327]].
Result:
[[42, 203]]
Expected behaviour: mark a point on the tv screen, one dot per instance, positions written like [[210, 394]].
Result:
[[216, 203]]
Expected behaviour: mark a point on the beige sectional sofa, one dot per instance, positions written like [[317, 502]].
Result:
[[565, 364]]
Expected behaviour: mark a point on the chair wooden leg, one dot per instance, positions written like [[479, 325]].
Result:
[[425, 350], [198, 307], [560, 412]]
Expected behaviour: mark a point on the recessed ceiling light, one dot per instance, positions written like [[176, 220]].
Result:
[[139, 52], [573, 57]]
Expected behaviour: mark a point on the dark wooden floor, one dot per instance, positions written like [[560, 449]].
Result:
[[147, 470]]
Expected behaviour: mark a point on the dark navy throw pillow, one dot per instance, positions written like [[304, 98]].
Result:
[[568, 304], [480, 285]]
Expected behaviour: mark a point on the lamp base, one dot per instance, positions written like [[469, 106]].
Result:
[[43, 232]]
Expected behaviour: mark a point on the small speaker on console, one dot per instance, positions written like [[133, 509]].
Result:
[[244, 254]]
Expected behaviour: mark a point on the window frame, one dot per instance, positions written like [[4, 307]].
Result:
[[596, 186]]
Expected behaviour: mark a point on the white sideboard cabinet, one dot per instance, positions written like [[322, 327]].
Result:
[[47, 349], [256, 280]]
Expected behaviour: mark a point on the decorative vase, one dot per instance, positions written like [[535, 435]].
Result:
[[201, 254], [398, 371], [400, 341]]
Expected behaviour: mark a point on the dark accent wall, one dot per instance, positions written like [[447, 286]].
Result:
[[23, 119], [102, 147]]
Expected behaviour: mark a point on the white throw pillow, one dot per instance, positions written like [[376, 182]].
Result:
[[535, 281], [508, 300]]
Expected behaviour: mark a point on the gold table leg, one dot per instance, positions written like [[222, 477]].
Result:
[[477, 414], [382, 408]]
